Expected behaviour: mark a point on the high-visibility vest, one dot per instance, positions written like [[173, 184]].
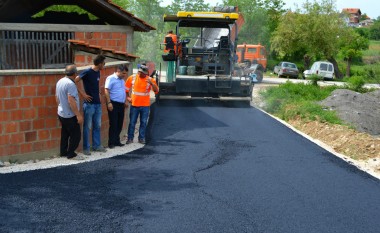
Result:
[[140, 89]]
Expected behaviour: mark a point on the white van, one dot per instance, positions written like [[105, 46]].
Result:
[[323, 69]]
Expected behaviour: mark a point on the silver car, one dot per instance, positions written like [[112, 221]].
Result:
[[286, 69]]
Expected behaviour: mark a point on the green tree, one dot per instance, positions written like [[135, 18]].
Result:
[[261, 18], [351, 47], [317, 29], [374, 30]]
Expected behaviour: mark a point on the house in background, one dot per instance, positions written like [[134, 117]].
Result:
[[33, 52], [354, 15]]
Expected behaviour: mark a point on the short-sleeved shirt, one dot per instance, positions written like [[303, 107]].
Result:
[[90, 80], [116, 87], [65, 87], [140, 89]]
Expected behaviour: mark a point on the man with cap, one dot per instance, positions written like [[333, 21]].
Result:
[[138, 89]]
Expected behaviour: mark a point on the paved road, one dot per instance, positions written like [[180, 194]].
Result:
[[208, 167]]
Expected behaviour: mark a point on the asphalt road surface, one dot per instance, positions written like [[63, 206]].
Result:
[[207, 167]]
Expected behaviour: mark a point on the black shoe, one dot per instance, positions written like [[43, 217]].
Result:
[[111, 146], [142, 141], [72, 155], [119, 144]]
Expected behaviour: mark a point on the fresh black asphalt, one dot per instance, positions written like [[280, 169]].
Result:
[[207, 167]]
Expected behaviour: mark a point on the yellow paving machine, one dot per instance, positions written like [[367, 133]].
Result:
[[202, 63]]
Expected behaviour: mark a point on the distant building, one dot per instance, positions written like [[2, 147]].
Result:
[[354, 15]]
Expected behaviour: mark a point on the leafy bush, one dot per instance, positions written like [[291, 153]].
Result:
[[356, 83], [314, 79], [291, 100]]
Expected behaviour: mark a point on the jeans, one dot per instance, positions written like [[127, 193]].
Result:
[[133, 115], [70, 136], [92, 119], [116, 120]]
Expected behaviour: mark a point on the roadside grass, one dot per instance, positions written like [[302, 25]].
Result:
[[291, 101]]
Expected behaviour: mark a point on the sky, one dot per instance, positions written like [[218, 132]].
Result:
[[370, 7]]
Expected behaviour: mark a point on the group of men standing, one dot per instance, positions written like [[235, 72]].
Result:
[[121, 92]]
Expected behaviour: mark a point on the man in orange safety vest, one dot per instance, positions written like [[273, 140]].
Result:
[[138, 89]]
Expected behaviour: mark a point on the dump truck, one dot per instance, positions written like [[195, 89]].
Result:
[[203, 62], [254, 57]]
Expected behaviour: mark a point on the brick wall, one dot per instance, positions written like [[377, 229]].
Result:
[[110, 40], [28, 113]]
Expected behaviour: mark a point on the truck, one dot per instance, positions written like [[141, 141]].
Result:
[[205, 58], [254, 57]]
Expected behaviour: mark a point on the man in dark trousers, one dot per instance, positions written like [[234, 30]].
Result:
[[116, 104], [68, 112], [92, 108]]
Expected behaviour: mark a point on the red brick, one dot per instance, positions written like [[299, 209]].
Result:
[[11, 127], [1, 128], [43, 134], [38, 102], [15, 92], [25, 126], [111, 43], [29, 113], [17, 115], [55, 133], [23, 80], [10, 104], [17, 138], [51, 144], [123, 36], [29, 91], [4, 93], [8, 80], [79, 35], [42, 112], [51, 123], [38, 146], [4, 139], [79, 58], [24, 103], [43, 90], [106, 35], [97, 35], [30, 136], [4, 116], [102, 43], [51, 101], [116, 35], [88, 35], [26, 148], [51, 80], [38, 124], [3, 150], [37, 80], [13, 149]]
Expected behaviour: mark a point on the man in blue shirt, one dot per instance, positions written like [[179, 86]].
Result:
[[116, 104], [92, 108]]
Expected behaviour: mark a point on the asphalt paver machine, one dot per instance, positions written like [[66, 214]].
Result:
[[205, 58]]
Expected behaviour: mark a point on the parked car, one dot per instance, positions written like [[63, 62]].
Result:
[[286, 69], [323, 69]]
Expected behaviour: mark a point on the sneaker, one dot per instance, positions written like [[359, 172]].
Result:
[[86, 152], [78, 157], [119, 144], [100, 149], [129, 141], [142, 141]]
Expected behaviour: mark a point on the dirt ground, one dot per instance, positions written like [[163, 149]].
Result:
[[361, 141]]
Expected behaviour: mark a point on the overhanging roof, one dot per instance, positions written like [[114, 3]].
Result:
[[21, 11]]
